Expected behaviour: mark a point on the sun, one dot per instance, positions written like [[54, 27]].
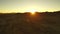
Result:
[[32, 11]]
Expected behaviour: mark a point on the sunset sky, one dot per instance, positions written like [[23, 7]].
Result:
[[8, 6]]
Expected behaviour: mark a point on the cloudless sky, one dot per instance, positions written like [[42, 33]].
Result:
[[27, 5]]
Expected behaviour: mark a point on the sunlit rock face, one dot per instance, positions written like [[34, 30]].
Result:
[[25, 23]]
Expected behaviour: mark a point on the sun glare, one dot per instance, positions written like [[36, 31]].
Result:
[[32, 11]]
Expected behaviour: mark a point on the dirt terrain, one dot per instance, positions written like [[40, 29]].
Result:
[[40, 23]]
